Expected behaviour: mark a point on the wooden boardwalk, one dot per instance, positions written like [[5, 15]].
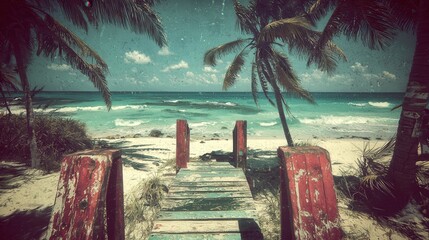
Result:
[[208, 200]]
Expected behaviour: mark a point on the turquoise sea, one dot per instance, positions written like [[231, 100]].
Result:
[[212, 114]]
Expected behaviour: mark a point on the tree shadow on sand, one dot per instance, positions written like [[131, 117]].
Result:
[[26, 225], [10, 176]]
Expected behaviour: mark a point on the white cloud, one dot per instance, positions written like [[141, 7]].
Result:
[[137, 57], [317, 77], [209, 69], [189, 74], [388, 75], [213, 78], [153, 80], [181, 65], [308, 77], [164, 51], [370, 76], [59, 67], [358, 67]]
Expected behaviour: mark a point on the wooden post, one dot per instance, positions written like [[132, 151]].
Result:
[[307, 196], [89, 203], [240, 144], [182, 144]]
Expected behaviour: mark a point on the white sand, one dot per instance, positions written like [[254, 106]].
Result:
[[38, 190]]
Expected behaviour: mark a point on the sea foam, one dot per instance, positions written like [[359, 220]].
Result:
[[76, 109], [379, 104], [357, 104], [132, 107], [127, 123], [341, 120], [267, 124]]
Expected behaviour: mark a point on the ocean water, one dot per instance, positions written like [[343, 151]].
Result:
[[213, 114]]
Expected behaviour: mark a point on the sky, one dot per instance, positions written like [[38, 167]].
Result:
[[192, 27]]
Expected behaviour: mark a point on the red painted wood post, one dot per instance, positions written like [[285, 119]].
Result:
[[182, 143], [307, 196], [80, 207], [239, 147]]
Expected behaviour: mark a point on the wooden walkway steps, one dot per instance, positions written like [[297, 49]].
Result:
[[208, 200]]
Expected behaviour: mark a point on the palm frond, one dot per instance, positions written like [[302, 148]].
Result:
[[66, 36], [301, 39], [375, 183], [254, 83], [319, 9], [137, 16], [289, 30], [233, 70], [247, 20], [8, 78], [269, 71], [371, 162], [53, 38], [367, 19], [325, 59], [74, 11], [404, 13], [287, 77], [262, 78], [213, 54]]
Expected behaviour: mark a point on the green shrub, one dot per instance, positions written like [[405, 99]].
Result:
[[55, 136]]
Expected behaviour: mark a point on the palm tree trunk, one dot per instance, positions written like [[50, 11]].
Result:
[[402, 169], [282, 116], [32, 143]]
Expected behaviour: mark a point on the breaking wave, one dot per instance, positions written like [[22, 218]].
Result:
[[127, 123], [379, 104]]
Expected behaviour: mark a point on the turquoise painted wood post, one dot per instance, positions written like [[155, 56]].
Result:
[[308, 204], [182, 143], [89, 195], [240, 144]]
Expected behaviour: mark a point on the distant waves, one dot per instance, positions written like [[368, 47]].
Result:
[[373, 104]]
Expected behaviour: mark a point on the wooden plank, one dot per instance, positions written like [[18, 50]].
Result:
[[196, 236], [208, 215], [184, 195], [203, 189], [211, 179], [182, 174], [209, 163], [231, 172], [210, 204], [210, 184], [211, 168], [200, 226]]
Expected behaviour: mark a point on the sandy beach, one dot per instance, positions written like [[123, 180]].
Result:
[[142, 157]]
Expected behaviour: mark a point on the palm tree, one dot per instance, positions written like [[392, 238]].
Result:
[[26, 24], [269, 30], [390, 192]]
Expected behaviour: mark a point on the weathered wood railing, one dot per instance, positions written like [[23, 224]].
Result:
[[307, 195], [182, 143], [89, 202], [240, 144]]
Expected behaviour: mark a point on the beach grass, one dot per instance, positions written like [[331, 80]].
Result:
[[55, 136]]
